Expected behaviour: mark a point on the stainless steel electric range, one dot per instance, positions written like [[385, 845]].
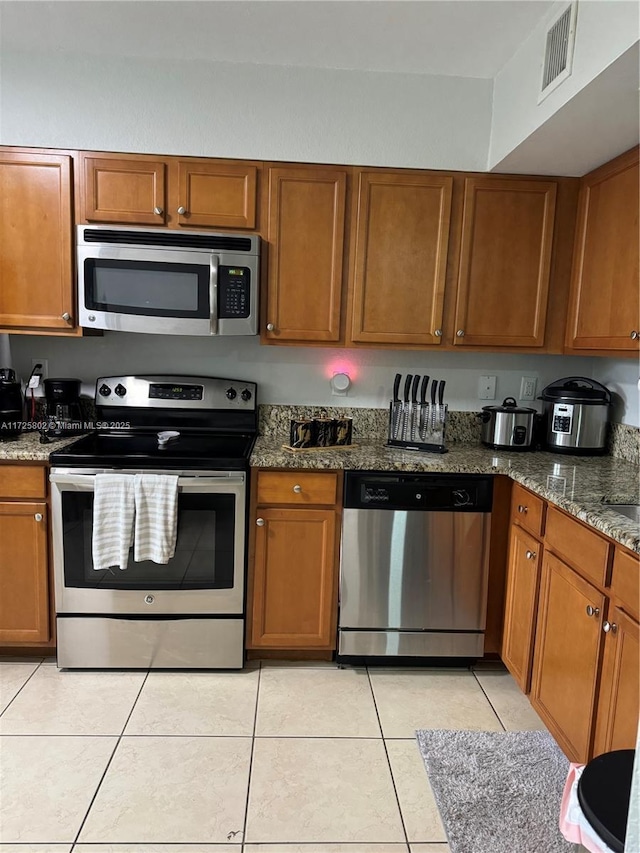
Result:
[[189, 612]]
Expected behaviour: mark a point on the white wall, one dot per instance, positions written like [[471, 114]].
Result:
[[605, 30], [222, 109], [621, 376], [290, 375]]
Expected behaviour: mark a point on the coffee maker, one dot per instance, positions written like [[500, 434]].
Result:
[[64, 413], [10, 404]]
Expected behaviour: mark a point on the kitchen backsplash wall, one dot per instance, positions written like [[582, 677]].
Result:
[[621, 377], [292, 375]]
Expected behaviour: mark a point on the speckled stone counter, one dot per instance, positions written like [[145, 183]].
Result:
[[27, 448], [577, 484]]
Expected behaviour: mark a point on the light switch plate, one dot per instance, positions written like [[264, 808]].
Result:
[[487, 388]]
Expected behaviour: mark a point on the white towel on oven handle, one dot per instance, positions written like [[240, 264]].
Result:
[[156, 522], [113, 513]]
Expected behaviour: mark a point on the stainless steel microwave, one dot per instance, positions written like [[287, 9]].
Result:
[[168, 282]]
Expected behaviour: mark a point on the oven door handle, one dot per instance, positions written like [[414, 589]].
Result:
[[214, 263], [221, 484]]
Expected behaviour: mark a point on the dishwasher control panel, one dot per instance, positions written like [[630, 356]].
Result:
[[432, 492]]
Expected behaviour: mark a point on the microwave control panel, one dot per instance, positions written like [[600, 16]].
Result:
[[233, 292], [562, 418]]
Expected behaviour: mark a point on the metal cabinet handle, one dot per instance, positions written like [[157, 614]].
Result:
[[66, 316], [592, 611], [182, 210], [297, 489], [260, 522], [38, 516], [531, 555], [523, 509], [609, 626], [460, 333], [438, 333], [158, 211], [270, 327], [634, 335]]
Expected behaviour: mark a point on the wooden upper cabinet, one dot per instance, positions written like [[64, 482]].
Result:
[[401, 246], [213, 193], [305, 233], [617, 720], [36, 269], [604, 305], [505, 262], [567, 656], [124, 190]]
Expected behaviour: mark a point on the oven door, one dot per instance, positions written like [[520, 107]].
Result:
[[206, 574], [161, 291]]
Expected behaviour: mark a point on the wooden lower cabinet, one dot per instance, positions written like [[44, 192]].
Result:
[[567, 654], [521, 605], [24, 583], [294, 582], [617, 719]]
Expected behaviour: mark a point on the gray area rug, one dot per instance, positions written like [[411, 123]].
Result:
[[497, 792]]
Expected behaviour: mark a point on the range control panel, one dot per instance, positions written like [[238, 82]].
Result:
[[176, 392], [234, 297], [562, 418]]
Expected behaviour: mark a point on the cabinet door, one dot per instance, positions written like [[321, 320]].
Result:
[[567, 653], [402, 240], [305, 227], [36, 273], [521, 606], [124, 190], [216, 194], [618, 705], [604, 302], [294, 581], [24, 597], [505, 262]]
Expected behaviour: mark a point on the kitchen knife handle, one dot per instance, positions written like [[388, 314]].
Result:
[[424, 389], [414, 390], [396, 388], [434, 388], [407, 387], [441, 391]]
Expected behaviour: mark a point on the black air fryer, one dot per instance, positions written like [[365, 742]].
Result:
[[10, 404]]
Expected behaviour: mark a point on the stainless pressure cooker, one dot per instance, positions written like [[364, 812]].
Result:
[[507, 427], [576, 411]]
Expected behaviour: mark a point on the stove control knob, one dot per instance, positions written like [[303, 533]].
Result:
[[231, 393], [120, 390], [246, 394], [104, 390], [149, 599]]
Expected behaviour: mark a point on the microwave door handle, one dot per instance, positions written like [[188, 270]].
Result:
[[214, 262]]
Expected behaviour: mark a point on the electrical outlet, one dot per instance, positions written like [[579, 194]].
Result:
[[528, 388], [44, 370], [487, 388]]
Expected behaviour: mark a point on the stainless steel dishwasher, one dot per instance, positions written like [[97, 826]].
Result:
[[414, 565]]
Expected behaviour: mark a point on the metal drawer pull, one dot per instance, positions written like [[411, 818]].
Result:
[[531, 555], [182, 210], [297, 489], [38, 516], [158, 211], [522, 508], [460, 333], [438, 333], [66, 316], [609, 626], [634, 335], [260, 522], [270, 327], [592, 611]]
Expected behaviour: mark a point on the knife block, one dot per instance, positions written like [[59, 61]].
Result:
[[418, 427]]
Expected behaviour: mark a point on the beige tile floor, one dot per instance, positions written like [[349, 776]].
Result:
[[275, 759]]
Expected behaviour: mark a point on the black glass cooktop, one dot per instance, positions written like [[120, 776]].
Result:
[[190, 450]]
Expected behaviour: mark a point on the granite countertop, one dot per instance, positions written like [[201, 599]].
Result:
[[27, 448], [577, 484]]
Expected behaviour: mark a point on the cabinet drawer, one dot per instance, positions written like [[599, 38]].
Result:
[[625, 580], [22, 481], [579, 546], [293, 487], [527, 510]]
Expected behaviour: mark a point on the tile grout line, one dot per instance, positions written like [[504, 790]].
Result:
[[21, 689], [384, 746], [253, 744], [486, 696], [106, 769]]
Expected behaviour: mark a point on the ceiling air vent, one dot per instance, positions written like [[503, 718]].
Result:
[[558, 55]]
